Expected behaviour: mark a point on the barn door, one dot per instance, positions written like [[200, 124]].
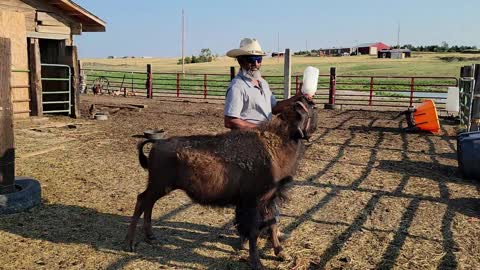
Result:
[[56, 88]]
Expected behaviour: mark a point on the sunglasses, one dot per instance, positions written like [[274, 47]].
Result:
[[252, 59]]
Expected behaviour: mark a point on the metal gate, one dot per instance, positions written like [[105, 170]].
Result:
[[56, 88]]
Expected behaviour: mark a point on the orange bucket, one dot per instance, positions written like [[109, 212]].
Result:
[[426, 117]]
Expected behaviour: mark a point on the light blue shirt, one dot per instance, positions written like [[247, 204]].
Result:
[[248, 102]]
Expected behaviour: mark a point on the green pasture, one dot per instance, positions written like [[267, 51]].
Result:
[[130, 73]]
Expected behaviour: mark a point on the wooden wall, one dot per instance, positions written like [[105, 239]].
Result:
[[43, 20], [12, 26], [23, 19]]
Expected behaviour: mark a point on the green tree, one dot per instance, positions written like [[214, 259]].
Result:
[[206, 55]]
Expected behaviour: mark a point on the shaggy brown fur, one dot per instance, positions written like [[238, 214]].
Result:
[[247, 169]]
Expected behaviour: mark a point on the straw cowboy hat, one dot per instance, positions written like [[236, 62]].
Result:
[[248, 46]]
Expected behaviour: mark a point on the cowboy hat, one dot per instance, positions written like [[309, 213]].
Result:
[[248, 46]]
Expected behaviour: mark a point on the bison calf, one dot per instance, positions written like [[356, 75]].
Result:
[[247, 169]]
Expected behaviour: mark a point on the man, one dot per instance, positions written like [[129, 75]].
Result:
[[249, 100]]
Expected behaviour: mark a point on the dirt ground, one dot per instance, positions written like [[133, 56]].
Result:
[[367, 196]]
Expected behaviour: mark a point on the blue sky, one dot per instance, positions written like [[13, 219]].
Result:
[[153, 28]]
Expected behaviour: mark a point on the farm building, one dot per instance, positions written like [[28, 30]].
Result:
[[278, 54], [372, 48], [43, 56], [335, 51], [365, 48], [395, 53]]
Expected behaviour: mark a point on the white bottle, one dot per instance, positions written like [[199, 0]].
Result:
[[310, 80], [453, 100]]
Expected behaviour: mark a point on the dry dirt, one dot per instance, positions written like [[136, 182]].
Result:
[[367, 196]]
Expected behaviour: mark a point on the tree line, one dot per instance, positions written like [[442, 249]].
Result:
[[444, 47], [205, 55]]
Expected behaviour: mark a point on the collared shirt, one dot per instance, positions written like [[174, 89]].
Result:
[[248, 102]]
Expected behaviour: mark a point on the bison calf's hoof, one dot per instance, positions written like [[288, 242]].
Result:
[[243, 244], [282, 256], [257, 266], [150, 239], [128, 246]]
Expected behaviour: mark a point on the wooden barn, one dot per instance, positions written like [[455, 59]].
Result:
[[372, 48], [44, 66]]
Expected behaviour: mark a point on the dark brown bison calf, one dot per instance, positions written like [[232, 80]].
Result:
[[246, 169]]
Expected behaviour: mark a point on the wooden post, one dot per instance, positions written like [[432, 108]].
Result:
[[7, 150], [35, 67], [121, 86], [204, 85], [287, 73], [412, 90], [82, 78], [475, 122], [149, 81], [133, 91], [467, 71], [71, 59], [296, 85], [178, 85], [371, 92], [333, 84], [232, 73]]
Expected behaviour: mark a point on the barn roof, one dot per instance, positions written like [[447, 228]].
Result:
[[372, 44], [396, 50], [90, 22]]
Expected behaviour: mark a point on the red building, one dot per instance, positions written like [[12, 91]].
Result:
[[372, 48]]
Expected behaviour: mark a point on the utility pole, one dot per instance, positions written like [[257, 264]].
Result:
[[183, 42], [398, 36], [278, 47]]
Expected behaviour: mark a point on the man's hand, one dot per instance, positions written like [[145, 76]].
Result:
[[281, 105], [299, 94]]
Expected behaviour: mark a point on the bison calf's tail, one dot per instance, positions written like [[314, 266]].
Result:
[[141, 156]]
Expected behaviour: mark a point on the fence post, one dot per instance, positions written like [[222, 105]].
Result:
[[412, 89], [149, 81], [178, 84], [331, 96], [287, 72], [121, 86], [7, 149], [205, 86], [132, 83], [466, 95], [296, 85], [232, 73], [475, 122], [36, 99], [371, 92]]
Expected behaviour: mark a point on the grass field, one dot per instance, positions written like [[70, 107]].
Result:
[[420, 64], [118, 72]]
